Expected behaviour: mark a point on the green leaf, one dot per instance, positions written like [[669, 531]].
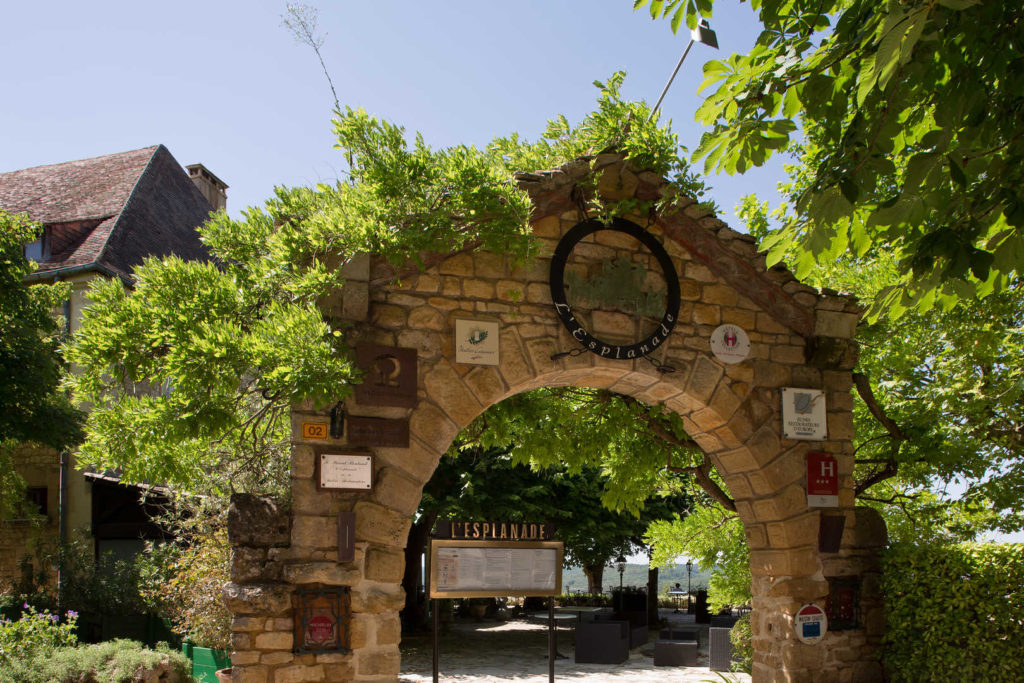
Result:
[[849, 189], [692, 18], [956, 173]]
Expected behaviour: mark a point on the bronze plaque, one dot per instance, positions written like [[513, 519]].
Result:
[[378, 431], [322, 619], [389, 378]]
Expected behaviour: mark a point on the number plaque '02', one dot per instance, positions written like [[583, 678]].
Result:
[[350, 472]]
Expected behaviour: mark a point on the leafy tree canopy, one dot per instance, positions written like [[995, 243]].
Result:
[[911, 116], [191, 372], [32, 409]]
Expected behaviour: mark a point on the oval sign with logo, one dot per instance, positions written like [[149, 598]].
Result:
[[811, 624], [576, 328], [730, 344]]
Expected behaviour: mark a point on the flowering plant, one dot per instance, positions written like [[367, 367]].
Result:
[[36, 632]]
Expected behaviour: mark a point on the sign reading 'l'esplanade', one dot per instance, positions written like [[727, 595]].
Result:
[[576, 328]]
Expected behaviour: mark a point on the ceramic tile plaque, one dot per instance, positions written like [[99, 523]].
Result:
[[476, 342], [341, 471], [803, 414]]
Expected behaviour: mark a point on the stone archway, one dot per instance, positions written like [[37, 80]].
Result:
[[799, 338]]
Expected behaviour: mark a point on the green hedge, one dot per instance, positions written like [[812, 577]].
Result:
[[955, 612]]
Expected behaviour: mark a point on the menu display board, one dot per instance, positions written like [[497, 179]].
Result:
[[478, 569]]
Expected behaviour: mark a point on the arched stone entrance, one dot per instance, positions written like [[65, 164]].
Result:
[[799, 338]]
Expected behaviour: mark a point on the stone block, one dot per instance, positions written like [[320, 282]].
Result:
[[314, 532], [329, 573], [428, 284], [382, 661], [274, 640], [427, 317], [378, 524], [459, 264], [249, 565], [386, 566], [419, 460], [299, 674], [791, 355], [765, 444], [802, 590], [249, 674], [767, 324], [736, 460], [376, 600], [302, 457], [397, 491], [389, 629], [549, 226], [245, 658], [784, 504], [478, 289], [757, 536], [724, 402], [257, 521], [768, 374], [514, 366], [706, 315], [248, 624], [540, 352], [840, 426], [433, 427], [444, 386], [703, 379], [388, 316], [307, 499], [835, 324], [240, 640]]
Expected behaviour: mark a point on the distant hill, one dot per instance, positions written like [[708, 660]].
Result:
[[574, 580]]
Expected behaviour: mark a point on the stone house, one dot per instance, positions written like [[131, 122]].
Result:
[[101, 216]]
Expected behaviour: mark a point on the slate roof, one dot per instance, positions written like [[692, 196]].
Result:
[[107, 213]]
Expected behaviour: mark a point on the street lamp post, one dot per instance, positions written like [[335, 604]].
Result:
[[620, 561], [689, 568]]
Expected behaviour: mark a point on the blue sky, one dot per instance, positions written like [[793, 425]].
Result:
[[224, 84]]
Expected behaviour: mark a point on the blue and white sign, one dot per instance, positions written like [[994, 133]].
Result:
[[811, 624]]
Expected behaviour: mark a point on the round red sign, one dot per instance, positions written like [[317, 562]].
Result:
[[320, 629], [811, 624]]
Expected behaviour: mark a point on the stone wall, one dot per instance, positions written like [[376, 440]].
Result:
[[799, 338], [18, 537]]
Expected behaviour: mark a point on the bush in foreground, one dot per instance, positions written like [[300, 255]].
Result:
[[115, 661]]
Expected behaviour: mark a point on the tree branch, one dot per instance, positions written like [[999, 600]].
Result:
[[860, 380]]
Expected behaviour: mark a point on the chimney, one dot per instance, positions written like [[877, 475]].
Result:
[[212, 187]]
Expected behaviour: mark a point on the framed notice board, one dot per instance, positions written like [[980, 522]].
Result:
[[482, 569]]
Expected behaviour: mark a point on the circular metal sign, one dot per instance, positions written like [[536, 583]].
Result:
[[811, 624], [730, 344], [576, 328]]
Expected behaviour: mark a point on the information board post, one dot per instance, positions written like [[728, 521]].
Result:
[[492, 569], [435, 608], [552, 637]]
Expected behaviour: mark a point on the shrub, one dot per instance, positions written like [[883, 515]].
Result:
[[955, 612], [184, 584], [115, 661], [35, 634], [742, 645]]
